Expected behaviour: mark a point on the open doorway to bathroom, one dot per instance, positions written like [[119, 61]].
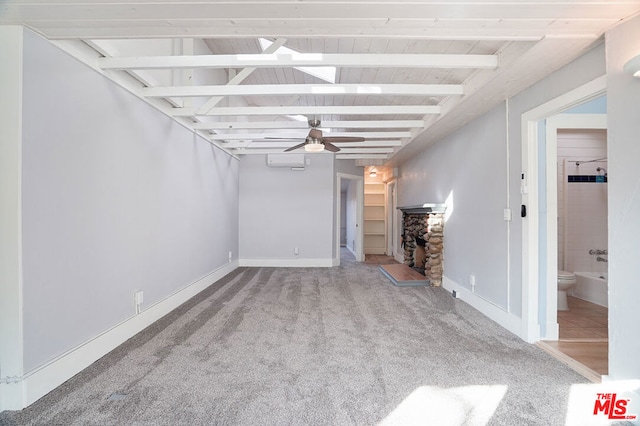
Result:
[[579, 136], [540, 255], [582, 229]]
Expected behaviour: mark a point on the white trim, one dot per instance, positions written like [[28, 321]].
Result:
[[46, 378], [392, 216], [530, 193], [286, 263], [11, 274], [505, 319]]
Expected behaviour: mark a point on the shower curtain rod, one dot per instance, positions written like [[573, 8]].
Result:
[[590, 161]]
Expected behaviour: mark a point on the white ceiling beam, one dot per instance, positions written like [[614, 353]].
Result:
[[363, 124], [303, 135], [344, 150], [314, 110], [283, 145], [239, 77], [343, 156], [365, 151], [305, 89], [364, 60]]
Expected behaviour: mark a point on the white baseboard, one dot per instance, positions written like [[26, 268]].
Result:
[[287, 263], [399, 257], [490, 310], [43, 380]]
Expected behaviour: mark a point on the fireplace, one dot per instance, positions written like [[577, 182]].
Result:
[[422, 240]]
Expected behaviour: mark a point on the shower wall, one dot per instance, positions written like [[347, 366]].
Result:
[[582, 199]]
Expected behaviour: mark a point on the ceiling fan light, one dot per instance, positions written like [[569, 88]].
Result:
[[314, 147]]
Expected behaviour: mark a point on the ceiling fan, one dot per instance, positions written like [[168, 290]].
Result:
[[315, 142]]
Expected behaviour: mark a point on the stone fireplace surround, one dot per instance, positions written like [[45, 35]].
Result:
[[422, 239]]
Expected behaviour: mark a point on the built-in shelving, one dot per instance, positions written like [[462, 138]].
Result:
[[375, 238]]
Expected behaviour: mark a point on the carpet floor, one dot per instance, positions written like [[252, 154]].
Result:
[[315, 346]]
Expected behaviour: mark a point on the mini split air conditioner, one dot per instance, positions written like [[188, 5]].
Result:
[[285, 160]]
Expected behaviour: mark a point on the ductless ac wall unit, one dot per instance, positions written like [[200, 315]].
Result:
[[285, 160]]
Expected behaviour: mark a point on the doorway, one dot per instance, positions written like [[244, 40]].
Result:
[[349, 216], [545, 250], [539, 194]]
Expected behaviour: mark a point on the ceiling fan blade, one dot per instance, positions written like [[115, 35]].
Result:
[[295, 147], [315, 134], [281, 139], [338, 139], [330, 147]]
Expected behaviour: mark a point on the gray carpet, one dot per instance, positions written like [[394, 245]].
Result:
[[300, 346]]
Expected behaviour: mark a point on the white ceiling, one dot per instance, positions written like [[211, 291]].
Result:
[[407, 72]]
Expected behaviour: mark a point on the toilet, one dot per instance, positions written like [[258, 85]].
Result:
[[566, 282]]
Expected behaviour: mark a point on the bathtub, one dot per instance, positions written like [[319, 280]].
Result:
[[592, 287]]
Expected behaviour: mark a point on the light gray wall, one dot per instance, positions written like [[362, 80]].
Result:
[[623, 97], [116, 198], [281, 209], [470, 165], [469, 169], [348, 167]]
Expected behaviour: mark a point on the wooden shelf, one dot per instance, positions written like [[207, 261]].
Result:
[[375, 240]]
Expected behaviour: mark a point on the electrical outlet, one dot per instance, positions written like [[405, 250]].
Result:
[[455, 294], [229, 257], [472, 280], [296, 251]]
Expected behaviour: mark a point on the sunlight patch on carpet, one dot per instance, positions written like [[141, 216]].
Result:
[[466, 405]]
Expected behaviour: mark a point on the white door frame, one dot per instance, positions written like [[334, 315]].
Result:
[[392, 218], [359, 249], [530, 198]]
